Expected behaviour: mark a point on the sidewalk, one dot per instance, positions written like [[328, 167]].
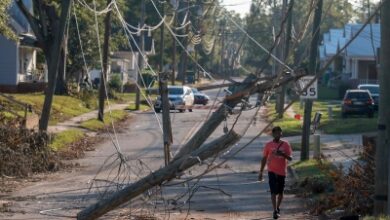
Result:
[[74, 123]]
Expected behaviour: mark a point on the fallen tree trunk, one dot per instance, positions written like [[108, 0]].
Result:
[[158, 177]]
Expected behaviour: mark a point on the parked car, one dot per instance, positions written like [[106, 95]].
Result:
[[357, 101], [374, 90], [200, 97], [180, 98]]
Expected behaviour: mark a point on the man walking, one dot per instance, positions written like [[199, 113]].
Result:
[[275, 155]]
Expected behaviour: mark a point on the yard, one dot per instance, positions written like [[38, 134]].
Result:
[[329, 125]]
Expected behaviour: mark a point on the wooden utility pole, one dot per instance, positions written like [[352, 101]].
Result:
[[284, 55], [140, 57], [104, 72], [312, 70], [163, 81], [46, 18], [185, 56], [382, 188]]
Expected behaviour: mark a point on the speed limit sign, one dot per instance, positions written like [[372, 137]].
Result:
[[312, 91]]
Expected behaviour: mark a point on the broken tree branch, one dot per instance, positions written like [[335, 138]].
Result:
[[158, 177]]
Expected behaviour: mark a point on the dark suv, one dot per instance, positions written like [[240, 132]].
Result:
[[357, 102]]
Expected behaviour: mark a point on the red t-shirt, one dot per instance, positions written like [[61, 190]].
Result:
[[275, 163]]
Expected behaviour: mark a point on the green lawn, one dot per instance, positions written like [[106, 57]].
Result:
[[62, 139], [335, 125], [309, 169], [63, 108], [96, 125]]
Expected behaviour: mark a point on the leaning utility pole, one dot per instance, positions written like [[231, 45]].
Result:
[[104, 72], [140, 56], [382, 188], [163, 81], [312, 70]]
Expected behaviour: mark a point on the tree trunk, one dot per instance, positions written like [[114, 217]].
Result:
[[52, 53], [104, 73], [61, 86]]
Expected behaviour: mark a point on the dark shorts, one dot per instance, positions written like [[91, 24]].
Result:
[[276, 183]]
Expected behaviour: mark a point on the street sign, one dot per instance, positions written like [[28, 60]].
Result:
[[312, 91]]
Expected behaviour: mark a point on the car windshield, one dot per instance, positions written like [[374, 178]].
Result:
[[358, 95], [372, 89], [175, 91]]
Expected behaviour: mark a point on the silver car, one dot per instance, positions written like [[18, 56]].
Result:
[[180, 98]]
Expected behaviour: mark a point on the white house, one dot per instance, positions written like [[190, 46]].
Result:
[[358, 61], [125, 60], [18, 66]]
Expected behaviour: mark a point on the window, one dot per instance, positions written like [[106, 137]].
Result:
[[372, 89], [358, 95], [175, 91]]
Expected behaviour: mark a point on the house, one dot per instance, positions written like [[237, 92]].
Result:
[[125, 60], [18, 63], [358, 62]]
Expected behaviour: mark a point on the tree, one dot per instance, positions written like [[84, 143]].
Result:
[[5, 30], [48, 24], [259, 26]]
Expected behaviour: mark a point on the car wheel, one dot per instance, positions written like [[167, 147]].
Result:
[[190, 110], [157, 110], [181, 110], [344, 115]]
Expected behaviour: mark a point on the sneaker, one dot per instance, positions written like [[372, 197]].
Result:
[[276, 215]]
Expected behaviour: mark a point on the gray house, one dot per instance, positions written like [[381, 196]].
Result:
[[18, 65], [358, 61]]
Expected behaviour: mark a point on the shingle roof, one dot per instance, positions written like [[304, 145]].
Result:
[[365, 44]]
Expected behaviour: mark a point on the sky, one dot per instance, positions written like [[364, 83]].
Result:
[[240, 6], [243, 6]]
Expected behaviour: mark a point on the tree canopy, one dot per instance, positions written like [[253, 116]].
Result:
[[5, 29]]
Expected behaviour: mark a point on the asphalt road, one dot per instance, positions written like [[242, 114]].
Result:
[[230, 192]]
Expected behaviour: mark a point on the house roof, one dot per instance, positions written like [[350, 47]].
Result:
[[364, 45], [367, 42]]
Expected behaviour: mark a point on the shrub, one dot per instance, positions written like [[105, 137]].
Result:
[[115, 82]]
